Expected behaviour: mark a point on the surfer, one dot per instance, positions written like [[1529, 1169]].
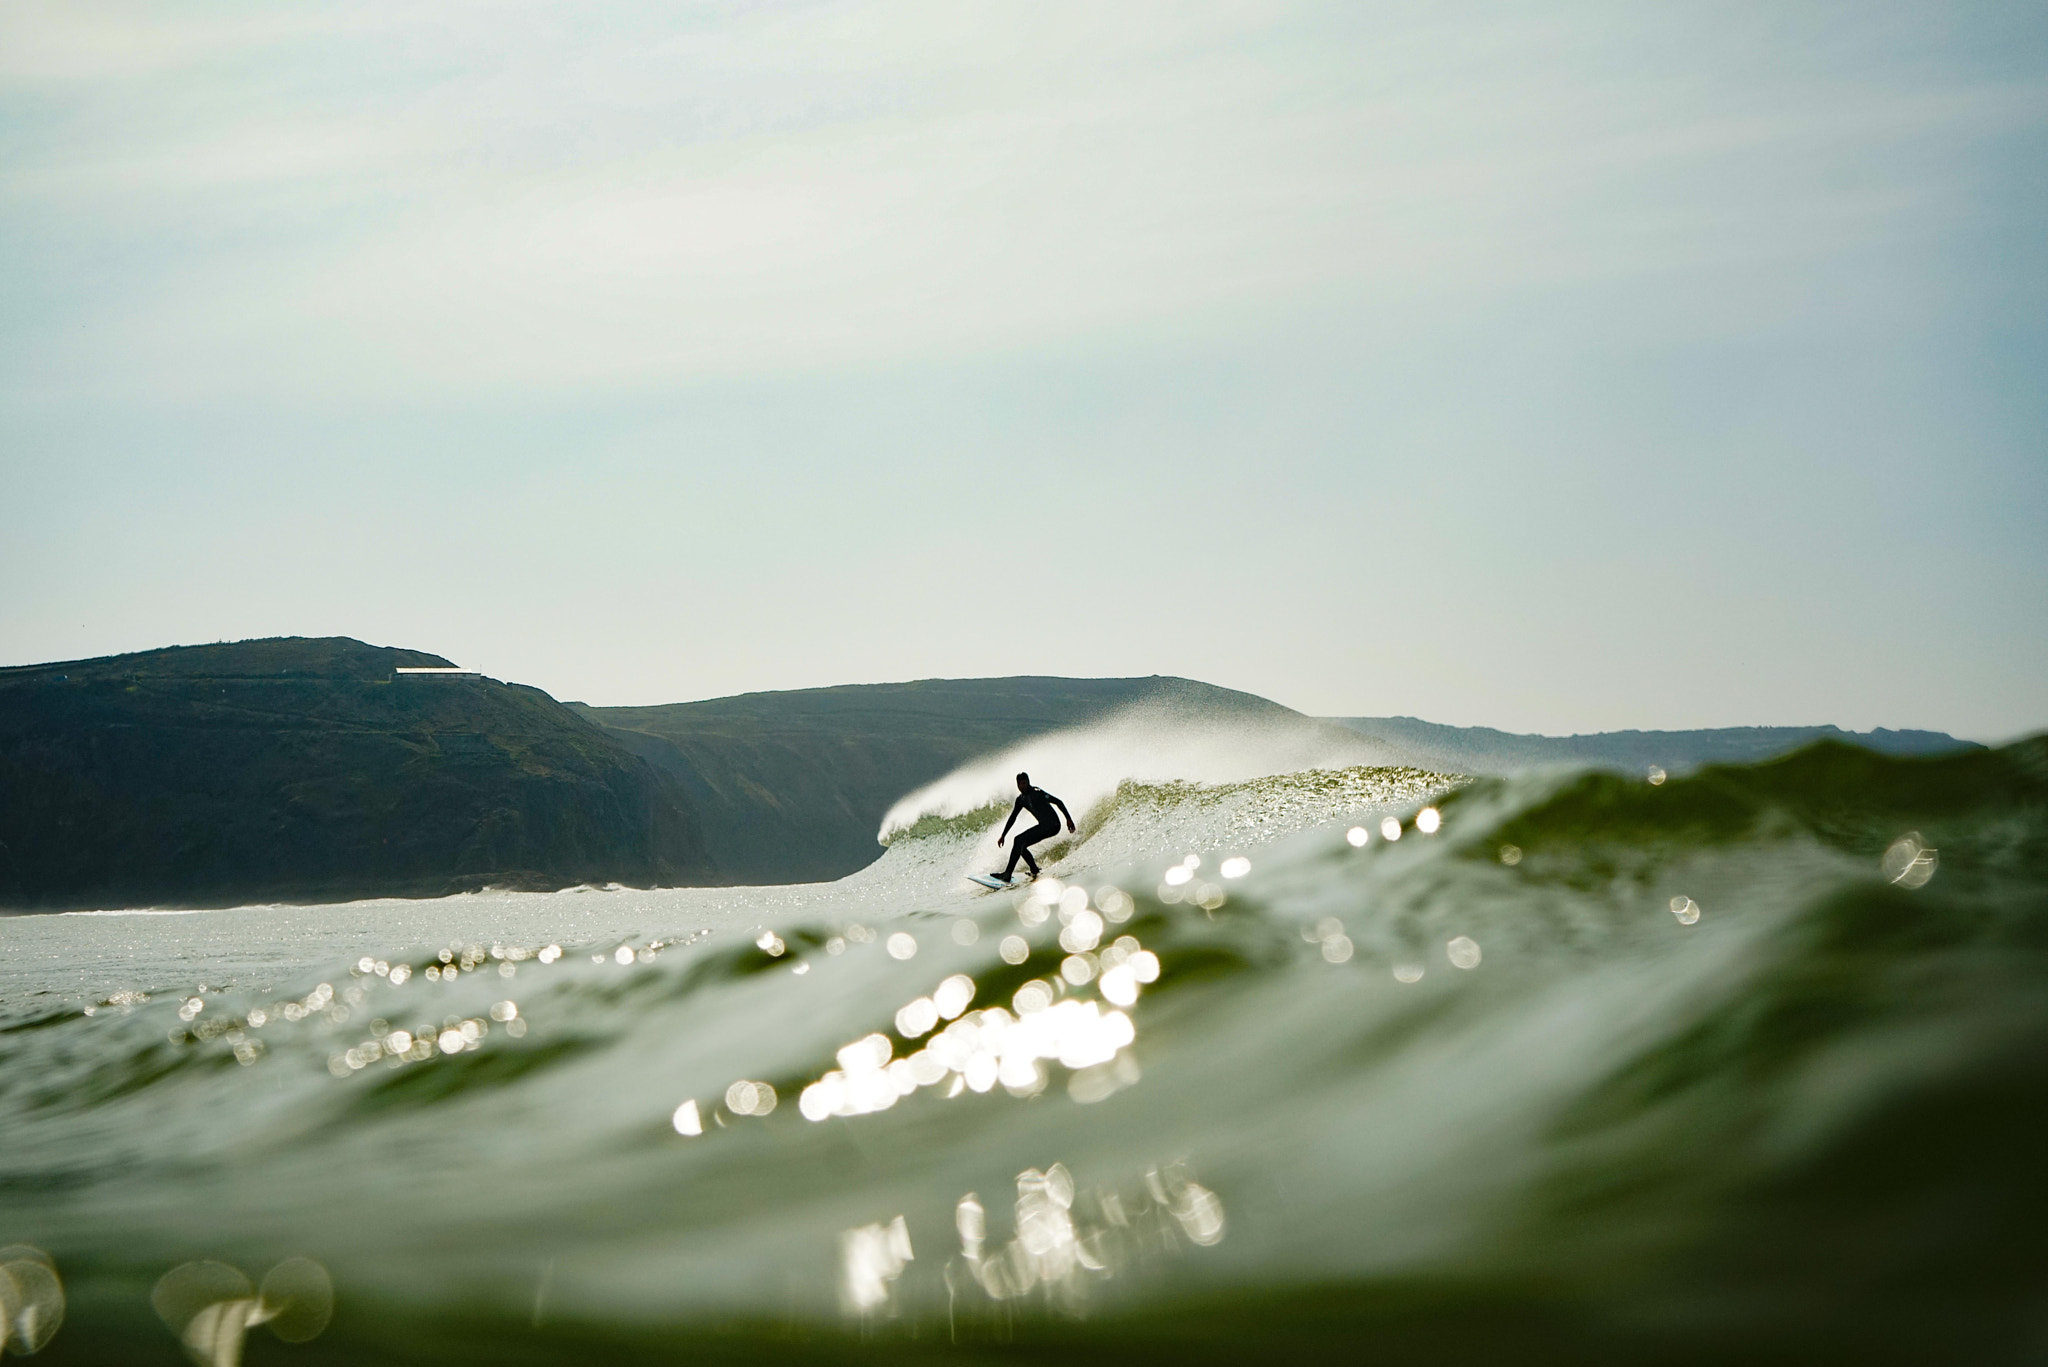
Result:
[[1040, 804]]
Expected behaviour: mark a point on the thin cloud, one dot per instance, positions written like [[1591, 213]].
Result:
[[774, 189]]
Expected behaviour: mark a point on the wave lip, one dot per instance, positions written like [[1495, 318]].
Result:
[[1156, 741], [1146, 822]]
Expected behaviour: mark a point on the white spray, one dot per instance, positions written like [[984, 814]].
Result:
[[1148, 742]]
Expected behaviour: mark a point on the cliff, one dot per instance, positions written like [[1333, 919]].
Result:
[[305, 770]]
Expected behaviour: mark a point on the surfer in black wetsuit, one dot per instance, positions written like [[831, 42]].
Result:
[[1040, 804]]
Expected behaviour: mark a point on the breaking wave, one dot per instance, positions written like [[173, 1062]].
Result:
[[1748, 1065], [1154, 742]]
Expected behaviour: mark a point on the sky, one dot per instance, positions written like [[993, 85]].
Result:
[[1560, 368]]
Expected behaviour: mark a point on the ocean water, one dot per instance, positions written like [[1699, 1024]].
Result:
[[1747, 1065]]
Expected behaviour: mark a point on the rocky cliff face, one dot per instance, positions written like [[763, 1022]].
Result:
[[304, 769]]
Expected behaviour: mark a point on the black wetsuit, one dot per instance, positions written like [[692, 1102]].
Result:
[[1040, 804]]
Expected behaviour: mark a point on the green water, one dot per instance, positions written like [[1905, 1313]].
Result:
[[1743, 1066]]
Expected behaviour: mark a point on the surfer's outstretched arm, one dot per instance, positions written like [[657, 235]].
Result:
[[1063, 812], [1015, 808]]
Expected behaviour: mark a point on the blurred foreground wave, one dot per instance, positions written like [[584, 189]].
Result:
[[1750, 1064]]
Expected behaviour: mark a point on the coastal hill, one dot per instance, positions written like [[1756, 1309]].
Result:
[[1481, 750], [310, 770], [307, 770]]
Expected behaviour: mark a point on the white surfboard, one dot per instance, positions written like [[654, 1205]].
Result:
[[990, 881]]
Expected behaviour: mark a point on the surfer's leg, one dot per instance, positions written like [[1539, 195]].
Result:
[[1023, 843]]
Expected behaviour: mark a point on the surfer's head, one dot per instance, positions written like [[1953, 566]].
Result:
[[1023, 782]]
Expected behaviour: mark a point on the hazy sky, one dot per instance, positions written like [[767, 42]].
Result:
[[1556, 367]]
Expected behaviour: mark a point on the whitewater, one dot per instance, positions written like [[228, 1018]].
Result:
[[1746, 1063]]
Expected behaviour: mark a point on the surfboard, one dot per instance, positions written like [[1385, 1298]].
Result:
[[990, 882]]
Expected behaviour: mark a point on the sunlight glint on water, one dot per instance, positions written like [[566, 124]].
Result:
[[901, 1101]]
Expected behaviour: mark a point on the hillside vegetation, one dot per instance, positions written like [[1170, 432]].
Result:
[[304, 770]]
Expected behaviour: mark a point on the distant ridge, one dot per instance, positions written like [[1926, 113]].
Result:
[[308, 769], [1481, 750], [305, 770]]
